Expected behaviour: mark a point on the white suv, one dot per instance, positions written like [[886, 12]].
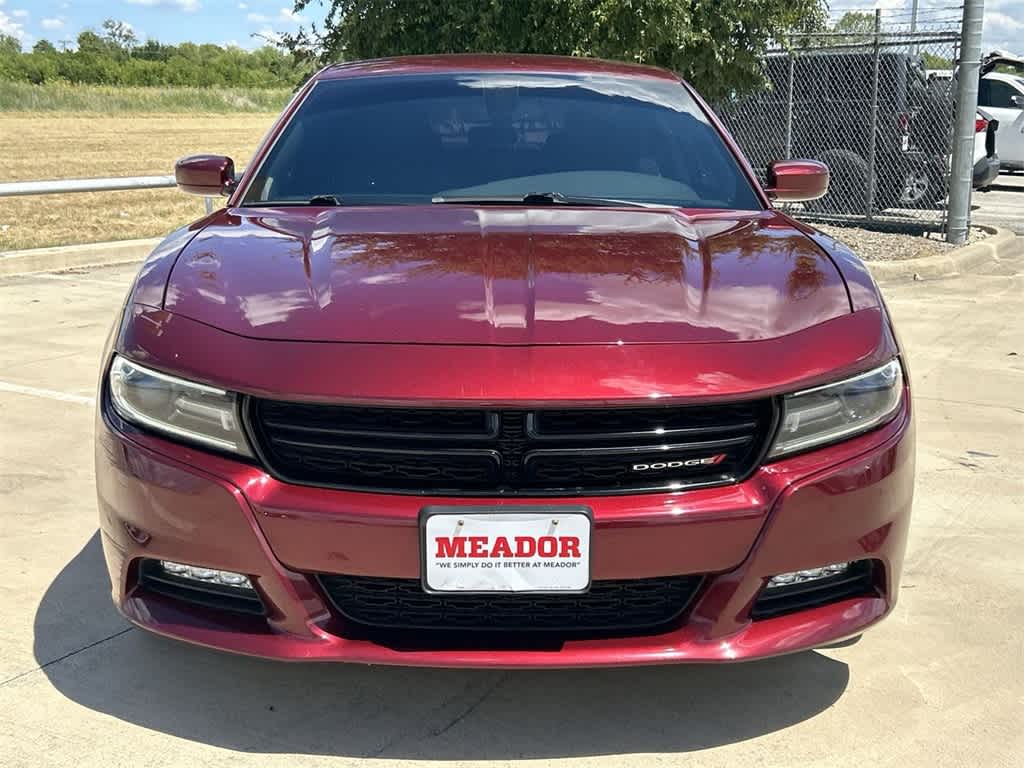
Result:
[[1002, 96]]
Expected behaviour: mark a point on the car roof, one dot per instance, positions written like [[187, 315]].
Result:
[[1006, 77], [483, 62]]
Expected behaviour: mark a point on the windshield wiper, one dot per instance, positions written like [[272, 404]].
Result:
[[536, 198], [326, 200]]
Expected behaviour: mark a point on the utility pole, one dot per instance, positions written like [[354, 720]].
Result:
[[968, 74], [913, 27]]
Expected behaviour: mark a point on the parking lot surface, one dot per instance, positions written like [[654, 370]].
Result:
[[1002, 204], [941, 683]]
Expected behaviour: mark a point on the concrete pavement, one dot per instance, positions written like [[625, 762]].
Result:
[[1002, 205], [941, 683]]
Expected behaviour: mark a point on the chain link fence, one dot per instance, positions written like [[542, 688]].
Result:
[[876, 105]]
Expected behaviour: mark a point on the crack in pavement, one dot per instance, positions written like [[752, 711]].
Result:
[[433, 733], [998, 406], [65, 656]]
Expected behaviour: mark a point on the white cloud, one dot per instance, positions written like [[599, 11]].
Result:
[[8, 26], [242, 6], [20, 13], [51, 24], [188, 6], [257, 18], [1003, 25], [287, 14], [997, 22]]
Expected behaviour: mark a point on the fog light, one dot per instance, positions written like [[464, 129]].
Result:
[[206, 575], [811, 574]]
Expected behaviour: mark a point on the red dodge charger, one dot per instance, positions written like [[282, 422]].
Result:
[[503, 361]]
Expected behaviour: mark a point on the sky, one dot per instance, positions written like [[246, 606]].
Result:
[[247, 22], [226, 22]]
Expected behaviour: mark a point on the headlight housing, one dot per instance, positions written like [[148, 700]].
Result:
[[183, 409], [835, 412]]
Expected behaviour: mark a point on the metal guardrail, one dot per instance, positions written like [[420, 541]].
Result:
[[114, 184], [63, 186]]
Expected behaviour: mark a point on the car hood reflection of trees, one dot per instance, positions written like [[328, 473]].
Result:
[[489, 275]]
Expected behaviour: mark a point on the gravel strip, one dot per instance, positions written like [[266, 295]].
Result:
[[872, 245]]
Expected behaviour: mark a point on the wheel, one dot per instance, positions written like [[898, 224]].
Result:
[[915, 188], [847, 191], [921, 187]]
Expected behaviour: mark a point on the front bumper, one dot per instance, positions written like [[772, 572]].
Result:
[[847, 502]]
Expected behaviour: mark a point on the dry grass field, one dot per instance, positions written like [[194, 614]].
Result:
[[54, 145]]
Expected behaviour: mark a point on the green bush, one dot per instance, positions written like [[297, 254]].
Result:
[[115, 59]]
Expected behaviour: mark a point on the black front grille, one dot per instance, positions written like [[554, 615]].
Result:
[[634, 605], [457, 451]]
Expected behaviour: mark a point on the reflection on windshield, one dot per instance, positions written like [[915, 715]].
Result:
[[405, 139]]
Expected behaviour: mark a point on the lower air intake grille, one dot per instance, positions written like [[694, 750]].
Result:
[[860, 580], [155, 580], [633, 605]]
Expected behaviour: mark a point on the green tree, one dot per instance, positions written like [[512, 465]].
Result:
[[119, 34], [89, 43], [116, 58], [10, 46], [716, 44], [856, 23], [934, 61]]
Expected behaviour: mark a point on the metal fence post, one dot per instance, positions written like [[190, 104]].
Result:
[[789, 108], [869, 203], [966, 107]]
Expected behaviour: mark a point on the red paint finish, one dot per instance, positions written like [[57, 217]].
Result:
[[797, 181], [483, 62], [506, 306], [205, 174], [426, 374], [516, 276], [848, 501]]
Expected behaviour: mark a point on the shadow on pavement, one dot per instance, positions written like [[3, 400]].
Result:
[[996, 186], [335, 709]]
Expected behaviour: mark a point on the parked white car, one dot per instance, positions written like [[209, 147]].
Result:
[[1001, 95], [986, 160]]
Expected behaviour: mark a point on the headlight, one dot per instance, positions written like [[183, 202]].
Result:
[[838, 411], [193, 412]]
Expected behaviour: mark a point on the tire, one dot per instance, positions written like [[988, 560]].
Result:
[[847, 190], [922, 186]]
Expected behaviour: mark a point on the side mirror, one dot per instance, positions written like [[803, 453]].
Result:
[[207, 175], [1017, 100], [797, 181]]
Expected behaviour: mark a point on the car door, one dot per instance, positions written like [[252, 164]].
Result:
[[1004, 99]]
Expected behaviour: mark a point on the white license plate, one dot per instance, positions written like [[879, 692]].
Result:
[[474, 549]]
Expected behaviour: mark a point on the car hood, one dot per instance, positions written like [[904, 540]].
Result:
[[503, 275]]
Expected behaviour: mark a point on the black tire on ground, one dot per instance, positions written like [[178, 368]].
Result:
[[847, 190]]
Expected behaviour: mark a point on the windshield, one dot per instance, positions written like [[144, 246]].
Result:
[[411, 139]]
